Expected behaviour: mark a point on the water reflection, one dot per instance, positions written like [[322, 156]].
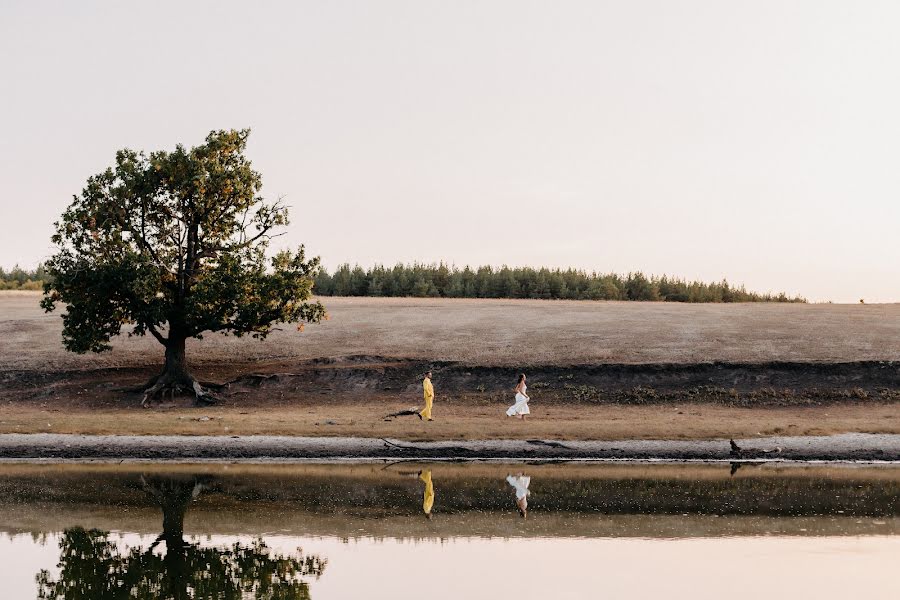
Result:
[[520, 484], [235, 531], [636, 500], [92, 566], [428, 494]]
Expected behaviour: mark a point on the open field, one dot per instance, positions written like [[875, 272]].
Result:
[[599, 370], [500, 333]]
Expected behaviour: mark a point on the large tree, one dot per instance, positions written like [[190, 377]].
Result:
[[174, 244]]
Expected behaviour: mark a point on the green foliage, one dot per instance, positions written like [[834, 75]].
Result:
[[21, 279], [93, 568], [419, 280], [175, 242]]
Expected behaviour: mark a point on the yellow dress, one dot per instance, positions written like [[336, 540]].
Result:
[[428, 498], [429, 399]]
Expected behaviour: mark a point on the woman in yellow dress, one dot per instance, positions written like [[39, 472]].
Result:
[[428, 496], [428, 390]]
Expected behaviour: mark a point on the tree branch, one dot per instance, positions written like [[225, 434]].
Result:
[[152, 329], [143, 244]]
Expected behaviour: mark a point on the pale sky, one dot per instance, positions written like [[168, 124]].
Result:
[[758, 141]]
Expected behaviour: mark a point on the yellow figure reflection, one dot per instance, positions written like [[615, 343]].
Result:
[[428, 390], [428, 497]]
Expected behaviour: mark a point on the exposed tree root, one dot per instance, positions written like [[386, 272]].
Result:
[[178, 384], [212, 385], [142, 387]]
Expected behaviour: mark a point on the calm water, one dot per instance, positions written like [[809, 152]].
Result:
[[449, 531]]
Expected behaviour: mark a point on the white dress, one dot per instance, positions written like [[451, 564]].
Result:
[[520, 483], [521, 405]]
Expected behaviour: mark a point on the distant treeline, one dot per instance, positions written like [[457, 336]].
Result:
[[20, 279], [443, 281]]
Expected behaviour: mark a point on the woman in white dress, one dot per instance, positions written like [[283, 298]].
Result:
[[520, 408], [520, 483]]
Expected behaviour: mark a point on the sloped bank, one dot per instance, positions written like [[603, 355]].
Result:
[[733, 384], [739, 384]]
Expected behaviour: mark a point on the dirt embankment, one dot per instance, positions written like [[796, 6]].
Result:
[[732, 384], [746, 384]]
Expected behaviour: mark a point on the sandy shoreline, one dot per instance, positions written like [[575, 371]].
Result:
[[62, 447]]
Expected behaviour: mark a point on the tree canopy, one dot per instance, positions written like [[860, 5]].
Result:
[[174, 244]]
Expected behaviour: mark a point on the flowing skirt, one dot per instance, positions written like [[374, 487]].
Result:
[[520, 407]]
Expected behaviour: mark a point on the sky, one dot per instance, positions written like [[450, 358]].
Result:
[[753, 141]]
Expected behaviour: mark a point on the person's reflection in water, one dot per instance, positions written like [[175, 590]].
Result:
[[428, 496], [520, 483]]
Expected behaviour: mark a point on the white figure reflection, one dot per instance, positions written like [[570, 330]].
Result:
[[520, 483]]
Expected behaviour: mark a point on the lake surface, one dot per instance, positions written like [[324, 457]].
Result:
[[449, 530]]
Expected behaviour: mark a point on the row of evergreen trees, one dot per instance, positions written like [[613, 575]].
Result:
[[443, 281], [18, 278]]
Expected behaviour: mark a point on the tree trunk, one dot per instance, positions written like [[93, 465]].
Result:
[[173, 497], [176, 361], [175, 376]]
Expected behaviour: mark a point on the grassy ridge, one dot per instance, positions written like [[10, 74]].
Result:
[[443, 281]]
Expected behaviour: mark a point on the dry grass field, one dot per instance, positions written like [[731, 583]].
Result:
[[62, 392], [500, 333]]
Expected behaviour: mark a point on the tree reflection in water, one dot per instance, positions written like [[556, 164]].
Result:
[[93, 568]]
